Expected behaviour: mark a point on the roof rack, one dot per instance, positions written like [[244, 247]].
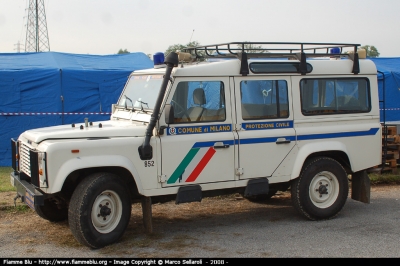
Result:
[[289, 50]]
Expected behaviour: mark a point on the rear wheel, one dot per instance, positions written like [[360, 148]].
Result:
[[321, 190], [100, 210]]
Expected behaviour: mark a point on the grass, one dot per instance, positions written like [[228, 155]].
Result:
[[5, 184], [384, 179], [17, 209]]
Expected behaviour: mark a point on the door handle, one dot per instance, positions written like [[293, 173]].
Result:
[[220, 145], [282, 141]]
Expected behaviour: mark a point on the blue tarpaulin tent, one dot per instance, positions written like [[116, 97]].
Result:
[[47, 89], [389, 75]]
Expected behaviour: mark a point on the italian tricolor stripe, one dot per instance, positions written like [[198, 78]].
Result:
[[203, 162], [197, 169], [182, 166]]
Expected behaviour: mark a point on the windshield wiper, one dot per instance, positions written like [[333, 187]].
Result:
[[127, 98], [141, 105]]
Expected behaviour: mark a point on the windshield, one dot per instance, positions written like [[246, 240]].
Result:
[[141, 92]]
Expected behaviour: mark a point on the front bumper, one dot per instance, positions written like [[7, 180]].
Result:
[[28, 192]]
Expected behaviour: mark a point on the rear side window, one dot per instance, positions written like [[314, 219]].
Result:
[[335, 96], [264, 99]]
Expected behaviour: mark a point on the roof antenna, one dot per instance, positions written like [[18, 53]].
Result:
[[191, 37]]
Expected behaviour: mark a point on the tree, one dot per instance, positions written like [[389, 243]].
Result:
[[180, 47], [123, 51], [371, 50], [252, 48]]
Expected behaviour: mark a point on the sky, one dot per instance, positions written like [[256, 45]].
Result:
[[103, 27]]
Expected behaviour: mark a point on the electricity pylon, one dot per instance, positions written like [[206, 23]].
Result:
[[37, 38]]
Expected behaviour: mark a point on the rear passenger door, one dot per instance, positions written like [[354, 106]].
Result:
[[265, 124]]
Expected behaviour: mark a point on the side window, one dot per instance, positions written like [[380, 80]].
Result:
[[264, 99], [334, 96], [199, 101]]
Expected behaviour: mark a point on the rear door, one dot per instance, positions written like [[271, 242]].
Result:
[[266, 135]]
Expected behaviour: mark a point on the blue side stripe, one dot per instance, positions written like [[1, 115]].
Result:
[[370, 132], [264, 140]]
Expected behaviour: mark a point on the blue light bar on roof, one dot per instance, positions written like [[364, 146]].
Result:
[[335, 50], [158, 58]]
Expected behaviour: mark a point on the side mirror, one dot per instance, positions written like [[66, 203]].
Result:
[[169, 114]]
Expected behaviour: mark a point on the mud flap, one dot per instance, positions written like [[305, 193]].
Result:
[[361, 187], [257, 187], [189, 194]]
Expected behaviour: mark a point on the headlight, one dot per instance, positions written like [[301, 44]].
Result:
[[42, 170], [14, 154]]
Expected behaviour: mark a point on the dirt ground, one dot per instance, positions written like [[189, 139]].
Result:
[[21, 218], [29, 234]]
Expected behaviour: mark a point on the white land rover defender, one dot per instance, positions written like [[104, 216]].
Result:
[[212, 120]]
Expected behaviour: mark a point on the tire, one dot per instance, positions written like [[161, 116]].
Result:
[[260, 198], [321, 190], [99, 210], [51, 212]]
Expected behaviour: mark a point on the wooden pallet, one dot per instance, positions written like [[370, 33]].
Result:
[[392, 163], [390, 130], [390, 143], [392, 139], [391, 155]]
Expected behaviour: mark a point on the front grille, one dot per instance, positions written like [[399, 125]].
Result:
[[25, 159]]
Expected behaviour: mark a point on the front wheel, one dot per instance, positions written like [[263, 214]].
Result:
[[99, 210], [321, 190]]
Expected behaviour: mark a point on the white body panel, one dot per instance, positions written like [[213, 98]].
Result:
[[115, 152], [251, 153]]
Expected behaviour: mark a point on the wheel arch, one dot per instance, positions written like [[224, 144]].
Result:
[[77, 176], [73, 171], [332, 149]]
